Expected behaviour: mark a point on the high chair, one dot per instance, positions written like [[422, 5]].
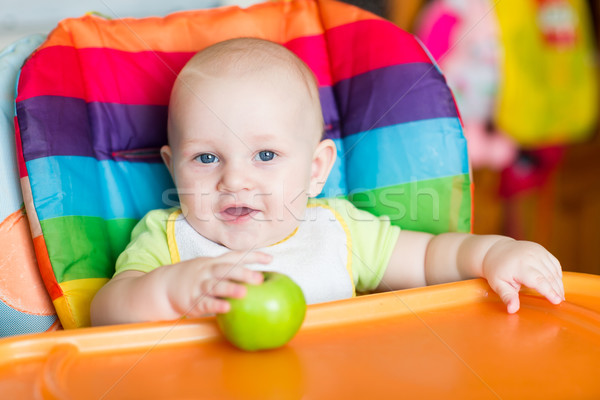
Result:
[[90, 117]]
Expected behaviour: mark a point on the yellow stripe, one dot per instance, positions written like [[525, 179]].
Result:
[[348, 240], [171, 242], [73, 308]]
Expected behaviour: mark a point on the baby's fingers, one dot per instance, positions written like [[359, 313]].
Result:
[[211, 299], [545, 285], [237, 273], [231, 266], [509, 295], [555, 279], [555, 264], [223, 288], [208, 305]]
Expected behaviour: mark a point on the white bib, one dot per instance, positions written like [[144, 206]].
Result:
[[317, 256]]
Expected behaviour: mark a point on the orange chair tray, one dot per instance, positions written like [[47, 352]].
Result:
[[441, 342]]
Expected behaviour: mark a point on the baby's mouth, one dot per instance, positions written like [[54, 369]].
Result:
[[237, 214], [238, 211]]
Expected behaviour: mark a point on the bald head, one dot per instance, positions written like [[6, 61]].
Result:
[[266, 63], [249, 56]]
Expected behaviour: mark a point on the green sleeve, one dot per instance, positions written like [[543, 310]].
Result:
[[148, 248], [373, 241]]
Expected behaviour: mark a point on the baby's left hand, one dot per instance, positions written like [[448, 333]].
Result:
[[509, 264]]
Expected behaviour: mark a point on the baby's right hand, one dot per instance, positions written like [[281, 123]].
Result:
[[200, 286]]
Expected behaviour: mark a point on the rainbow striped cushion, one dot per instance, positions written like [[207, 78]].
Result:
[[92, 105]]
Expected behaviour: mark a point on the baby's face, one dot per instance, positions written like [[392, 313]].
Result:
[[241, 156]]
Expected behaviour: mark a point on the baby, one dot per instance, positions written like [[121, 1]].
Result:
[[247, 155]]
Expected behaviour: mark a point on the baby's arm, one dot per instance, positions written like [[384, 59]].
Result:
[[192, 288], [419, 259]]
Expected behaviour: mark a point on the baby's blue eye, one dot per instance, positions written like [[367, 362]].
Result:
[[207, 158], [265, 155]]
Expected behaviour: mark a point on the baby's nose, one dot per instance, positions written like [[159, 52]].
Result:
[[235, 178]]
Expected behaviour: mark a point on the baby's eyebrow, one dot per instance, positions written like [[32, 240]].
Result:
[[196, 142], [264, 138]]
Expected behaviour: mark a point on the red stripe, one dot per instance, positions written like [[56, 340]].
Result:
[[108, 75], [370, 44], [20, 159]]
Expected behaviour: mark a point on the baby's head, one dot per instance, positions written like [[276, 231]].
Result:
[[245, 142]]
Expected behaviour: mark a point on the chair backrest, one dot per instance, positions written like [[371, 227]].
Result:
[[25, 306], [91, 114]]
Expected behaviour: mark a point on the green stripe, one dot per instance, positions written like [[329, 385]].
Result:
[[462, 202], [434, 205], [85, 247]]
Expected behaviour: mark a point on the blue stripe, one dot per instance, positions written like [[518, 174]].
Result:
[[84, 186], [336, 183], [407, 152]]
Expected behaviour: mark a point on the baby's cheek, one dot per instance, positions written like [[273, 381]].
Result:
[[296, 207]]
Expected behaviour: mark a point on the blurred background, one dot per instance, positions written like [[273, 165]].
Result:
[[535, 180], [524, 73]]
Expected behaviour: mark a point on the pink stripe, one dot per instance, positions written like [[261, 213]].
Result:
[[51, 72], [107, 75], [370, 44], [101, 74], [313, 51]]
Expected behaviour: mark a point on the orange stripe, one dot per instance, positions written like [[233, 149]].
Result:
[[279, 22], [41, 253]]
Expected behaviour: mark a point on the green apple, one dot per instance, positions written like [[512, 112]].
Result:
[[267, 317]]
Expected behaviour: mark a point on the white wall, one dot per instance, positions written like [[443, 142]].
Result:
[[19, 18]]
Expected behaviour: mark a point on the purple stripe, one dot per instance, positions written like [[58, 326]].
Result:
[[393, 95], [330, 112], [55, 125]]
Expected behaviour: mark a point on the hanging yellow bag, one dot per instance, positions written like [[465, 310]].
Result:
[[548, 94]]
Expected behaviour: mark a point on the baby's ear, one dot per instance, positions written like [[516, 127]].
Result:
[[167, 156], [323, 160]]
